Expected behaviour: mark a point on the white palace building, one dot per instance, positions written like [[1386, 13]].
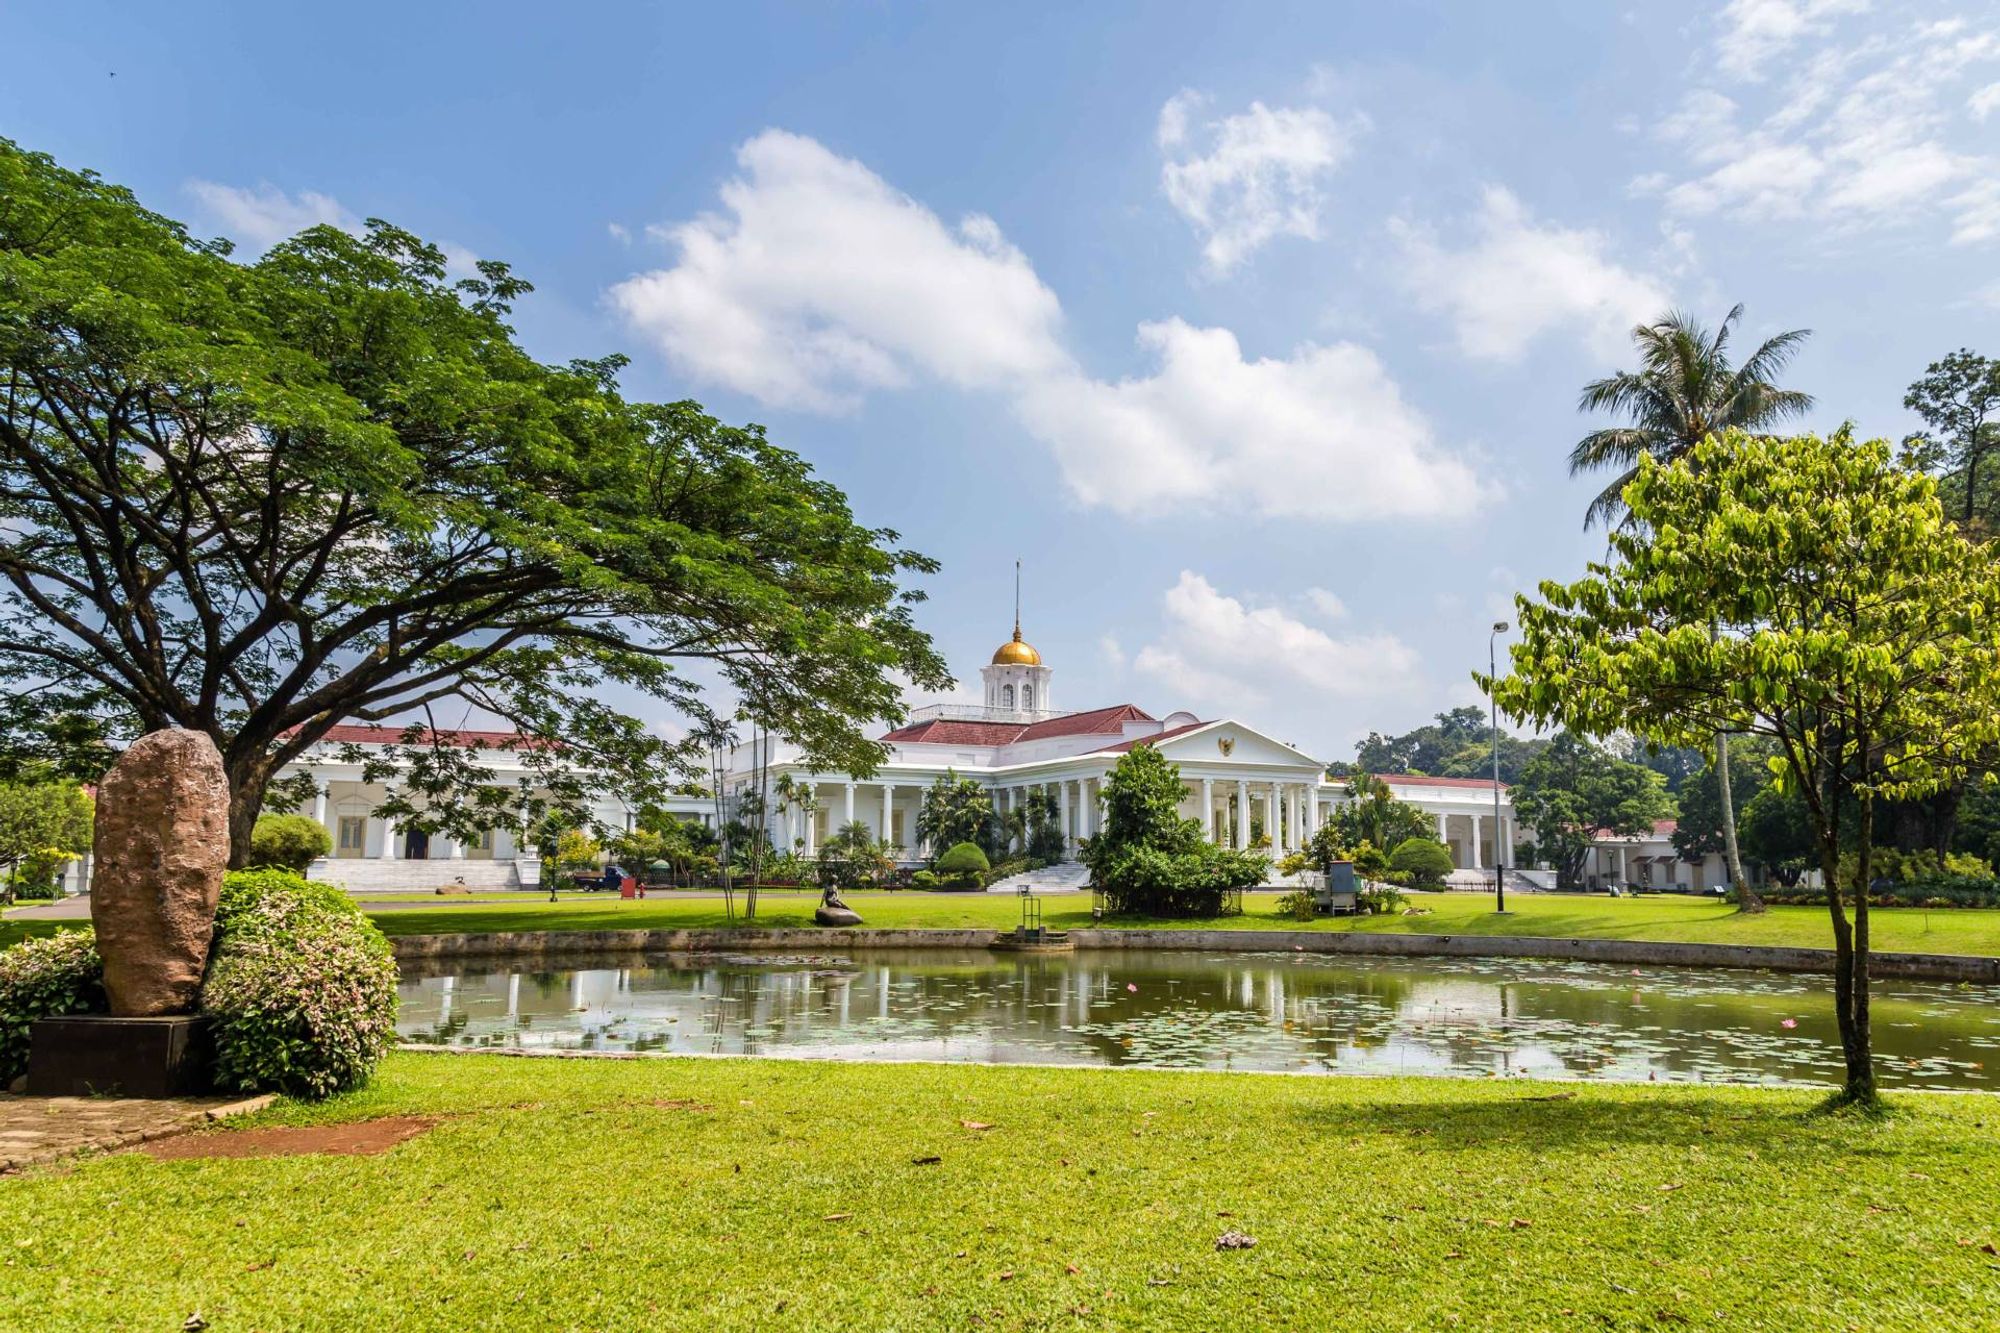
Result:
[[1016, 742]]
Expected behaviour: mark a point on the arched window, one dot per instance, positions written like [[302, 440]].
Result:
[[1027, 696], [1006, 696]]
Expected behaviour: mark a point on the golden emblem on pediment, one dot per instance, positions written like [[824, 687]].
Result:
[[1225, 744]]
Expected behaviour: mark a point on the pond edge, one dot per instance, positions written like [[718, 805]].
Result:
[[1660, 953]]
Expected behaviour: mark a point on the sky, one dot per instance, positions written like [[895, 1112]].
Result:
[[1254, 331]]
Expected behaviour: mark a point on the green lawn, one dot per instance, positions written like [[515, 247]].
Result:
[[770, 1194], [1951, 931], [1961, 931]]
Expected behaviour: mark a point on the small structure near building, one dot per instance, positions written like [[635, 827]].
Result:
[[1031, 936]]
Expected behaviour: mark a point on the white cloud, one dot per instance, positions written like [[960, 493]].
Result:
[[1519, 280], [1864, 129], [1323, 433], [1222, 652], [1756, 31], [258, 217], [822, 283], [619, 232], [1247, 179], [1326, 603]]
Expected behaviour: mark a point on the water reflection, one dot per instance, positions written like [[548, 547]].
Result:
[[1296, 1012]]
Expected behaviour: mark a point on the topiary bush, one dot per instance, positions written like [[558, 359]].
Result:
[[292, 842], [301, 987], [1425, 860], [963, 864], [45, 978]]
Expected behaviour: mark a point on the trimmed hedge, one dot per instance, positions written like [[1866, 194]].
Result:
[[45, 978], [301, 987], [963, 864], [292, 842]]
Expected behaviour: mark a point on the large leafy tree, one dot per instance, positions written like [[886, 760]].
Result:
[[1959, 400], [257, 500], [42, 824], [956, 810], [1574, 789], [1149, 858], [1804, 590], [1685, 390]]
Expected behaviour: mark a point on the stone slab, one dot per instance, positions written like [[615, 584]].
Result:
[[83, 1055], [35, 1130]]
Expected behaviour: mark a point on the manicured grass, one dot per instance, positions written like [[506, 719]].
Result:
[[768, 1194], [1954, 931]]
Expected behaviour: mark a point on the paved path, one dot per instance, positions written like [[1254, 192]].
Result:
[[41, 1129]]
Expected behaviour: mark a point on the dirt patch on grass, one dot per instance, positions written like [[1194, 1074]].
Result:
[[362, 1138]]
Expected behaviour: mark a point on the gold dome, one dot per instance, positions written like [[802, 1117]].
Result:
[[1016, 653]]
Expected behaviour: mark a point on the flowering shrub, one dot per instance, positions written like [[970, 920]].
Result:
[[44, 978], [301, 987]]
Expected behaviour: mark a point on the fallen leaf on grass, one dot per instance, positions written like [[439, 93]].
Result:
[[926, 1161], [1453, 1254], [976, 1125], [1233, 1239], [836, 1217], [1520, 1223], [258, 1268], [1071, 1268], [1668, 1189], [1007, 1276]]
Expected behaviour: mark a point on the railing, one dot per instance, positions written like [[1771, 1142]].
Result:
[[982, 713]]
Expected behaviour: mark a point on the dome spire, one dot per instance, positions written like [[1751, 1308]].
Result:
[[1017, 651], [1017, 599]]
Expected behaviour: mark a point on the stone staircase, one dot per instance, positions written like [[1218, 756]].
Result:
[[1063, 877], [374, 875]]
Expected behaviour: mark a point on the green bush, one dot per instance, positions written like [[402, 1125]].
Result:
[[923, 879], [1298, 905], [1379, 900], [962, 864], [30, 888], [301, 987], [290, 841], [45, 978], [1425, 860]]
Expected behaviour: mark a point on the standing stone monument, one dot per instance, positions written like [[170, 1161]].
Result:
[[162, 845]]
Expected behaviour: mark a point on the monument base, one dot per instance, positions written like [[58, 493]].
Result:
[[84, 1055]]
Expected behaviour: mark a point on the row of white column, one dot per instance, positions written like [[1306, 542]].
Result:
[[1504, 843], [393, 838], [799, 826], [1291, 813], [1076, 815]]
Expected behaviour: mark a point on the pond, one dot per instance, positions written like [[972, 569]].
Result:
[[1289, 1012]]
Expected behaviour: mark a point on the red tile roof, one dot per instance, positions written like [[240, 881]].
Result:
[[357, 733], [1168, 734], [1419, 780], [942, 731]]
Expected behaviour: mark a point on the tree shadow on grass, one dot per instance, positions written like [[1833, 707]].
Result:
[[1600, 1119]]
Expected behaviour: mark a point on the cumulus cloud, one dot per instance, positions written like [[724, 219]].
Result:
[[1519, 279], [1246, 179], [1863, 128], [1318, 434], [819, 283], [1217, 651], [258, 217]]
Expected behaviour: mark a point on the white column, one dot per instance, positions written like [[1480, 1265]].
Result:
[[1084, 808], [1479, 842], [457, 852], [1208, 809], [1443, 836], [1062, 805], [811, 820], [888, 811], [1274, 820], [1622, 877], [319, 805], [849, 819], [388, 852], [1242, 814]]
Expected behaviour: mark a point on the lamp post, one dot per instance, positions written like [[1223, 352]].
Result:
[[1492, 671]]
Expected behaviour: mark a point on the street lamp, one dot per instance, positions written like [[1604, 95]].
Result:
[[1493, 673]]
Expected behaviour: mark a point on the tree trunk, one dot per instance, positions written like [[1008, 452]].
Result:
[[1851, 972], [246, 802], [1747, 899]]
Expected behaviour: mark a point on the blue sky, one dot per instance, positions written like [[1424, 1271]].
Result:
[[1255, 331]]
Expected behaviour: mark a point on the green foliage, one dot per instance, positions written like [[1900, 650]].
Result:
[[1373, 814], [577, 850], [1805, 590], [1298, 905], [1380, 899], [292, 842], [956, 810], [432, 516], [1425, 860], [42, 824], [1959, 400], [1370, 861], [1777, 833], [301, 988], [924, 879], [852, 857], [963, 864], [1575, 788], [1459, 744], [45, 978], [1148, 859]]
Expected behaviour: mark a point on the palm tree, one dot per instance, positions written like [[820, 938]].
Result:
[[1684, 391]]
